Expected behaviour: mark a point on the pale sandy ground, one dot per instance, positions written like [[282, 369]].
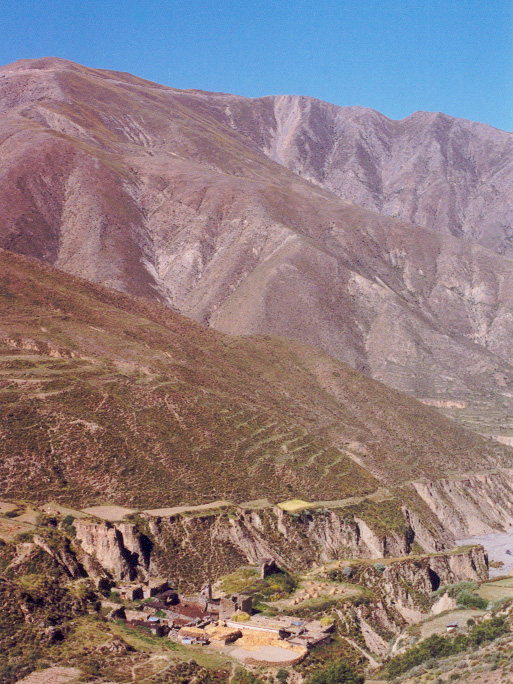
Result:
[[110, 513], [52, 675], [11, 528], [265, 654], [52, 507], [496, 544], [6, 507]]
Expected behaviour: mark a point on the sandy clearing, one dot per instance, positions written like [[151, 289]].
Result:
[[30, 516], [110, 513], [256, 504], [5, 507], [266, 654], [52, 675], [52, 506], [11, 528], [294, 505]]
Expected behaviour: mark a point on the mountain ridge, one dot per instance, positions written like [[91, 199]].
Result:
[[149, 190]]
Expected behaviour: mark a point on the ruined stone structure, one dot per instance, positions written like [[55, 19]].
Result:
[[229, 605]]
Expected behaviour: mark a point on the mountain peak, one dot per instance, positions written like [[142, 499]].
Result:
[[42, 64]]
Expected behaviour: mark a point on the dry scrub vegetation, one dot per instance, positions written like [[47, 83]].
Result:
[[107, 397]]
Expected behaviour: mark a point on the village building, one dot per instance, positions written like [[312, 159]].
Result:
[[305, 633], [155, 587], [168, 597], [129, 592], [229, 605]]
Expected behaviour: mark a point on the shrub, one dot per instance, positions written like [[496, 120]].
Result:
[[241, 616], [464, 594], [488, 630], [242, 676], [467, 600], [437, 646], [24, 537], [282, 675], [338, 672]]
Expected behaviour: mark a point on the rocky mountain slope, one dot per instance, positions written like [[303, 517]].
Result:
[[184, 198], [449, 175]]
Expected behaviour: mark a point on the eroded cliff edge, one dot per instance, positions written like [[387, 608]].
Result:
[[193, 548]]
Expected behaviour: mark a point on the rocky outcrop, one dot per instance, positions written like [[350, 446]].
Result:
[[402, 593], [194, 549], [444, 603], [63, 556], [117, 614], [407, 584], [431, 538], [119, 549], [375, 622]]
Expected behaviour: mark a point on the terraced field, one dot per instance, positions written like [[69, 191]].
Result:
[[108, 399], [489, 417]]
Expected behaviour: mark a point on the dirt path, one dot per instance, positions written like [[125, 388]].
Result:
[[165, 512]]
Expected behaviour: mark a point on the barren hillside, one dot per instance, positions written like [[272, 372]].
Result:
[[184, 198]]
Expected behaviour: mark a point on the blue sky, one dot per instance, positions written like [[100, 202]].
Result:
[[394, 56]]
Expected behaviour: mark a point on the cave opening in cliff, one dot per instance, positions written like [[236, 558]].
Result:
[[434, 579]]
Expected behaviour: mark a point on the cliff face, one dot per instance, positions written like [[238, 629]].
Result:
[[217, 544], [194, 549], [117, 549], [476, 504], [405, 585], [63, 556], [403, 591]]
